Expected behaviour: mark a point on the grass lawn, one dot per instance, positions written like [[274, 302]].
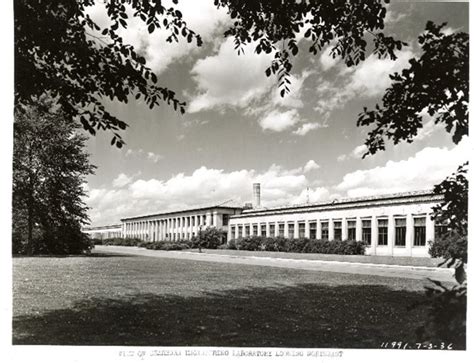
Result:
[[135, 300]]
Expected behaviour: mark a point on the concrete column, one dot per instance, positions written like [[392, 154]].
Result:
[[430, 229], [318, 229], [358, 229], [331, 229], [285, 231], [244, 232], [267, 227], [217, 219], [306, 229], [208, 219], [251, 229], [237, 231], [373, 242], [195, 225], [259, 229], [391, 234], [344, 228], [410, 234]]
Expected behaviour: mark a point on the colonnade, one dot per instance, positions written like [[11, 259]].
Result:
[[173, 228]]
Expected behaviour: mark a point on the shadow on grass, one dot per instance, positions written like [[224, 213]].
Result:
[[93, 254], [306, 315]]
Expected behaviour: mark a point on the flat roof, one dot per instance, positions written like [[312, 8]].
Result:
[[226, 205], [423, 195]]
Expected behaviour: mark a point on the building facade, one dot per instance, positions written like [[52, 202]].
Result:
[[393, 225], [180, 224], [104, 232]]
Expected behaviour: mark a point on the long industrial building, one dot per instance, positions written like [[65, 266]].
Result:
[[393, 225]]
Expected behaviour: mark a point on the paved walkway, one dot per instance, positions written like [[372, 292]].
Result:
[[412, 272]]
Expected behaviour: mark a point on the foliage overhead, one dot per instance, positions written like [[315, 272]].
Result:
[[62, 52], [437, 83], [454, 211], [277, 26], [49, 170]]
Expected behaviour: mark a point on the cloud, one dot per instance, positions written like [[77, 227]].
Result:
[[356, 153], [154, 157], [327, 60], [121, 180], [227, 79], [307, 127], [201, 16], [279, 121], [204, 185], [140, 153], [310, 165], [426, 168], [369, 79]]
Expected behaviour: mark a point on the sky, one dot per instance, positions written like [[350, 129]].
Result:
[[237, 130]]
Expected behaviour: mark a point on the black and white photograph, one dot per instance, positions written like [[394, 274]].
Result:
[[236, 179]]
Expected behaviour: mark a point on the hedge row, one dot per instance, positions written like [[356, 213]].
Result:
[[299, 245]]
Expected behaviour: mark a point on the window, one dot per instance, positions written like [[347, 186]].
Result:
[[225, 219], [400, 231], [325, 230], [240, 231], [281, 229], [301, 229], [351, 230], [193, 221], [420, 231], [312, 230], [247, 230], [382, 239], [291, 230], [263, 229], [337, 230], [255, 229], [272, 230], [367, 231]]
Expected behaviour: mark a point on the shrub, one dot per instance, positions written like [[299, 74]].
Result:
[[118, 241], [210, 238], [451, 245], [299, 245], [168, 245]]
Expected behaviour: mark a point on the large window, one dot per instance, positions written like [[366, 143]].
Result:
[[263, 229], [312, 230], [255, 229], [420, 231], [272, 230], [337, 230], [291, 230], [225, 219], [281, 229], [232, 232], [247, 230], [325, 230], [367, 231], [301, 229], [351, 230], [400, 231], [240, 231], [382, 239]]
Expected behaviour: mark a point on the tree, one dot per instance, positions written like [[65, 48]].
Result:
[[437, 83], [49, 169], [62, 52], [211, 238]]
